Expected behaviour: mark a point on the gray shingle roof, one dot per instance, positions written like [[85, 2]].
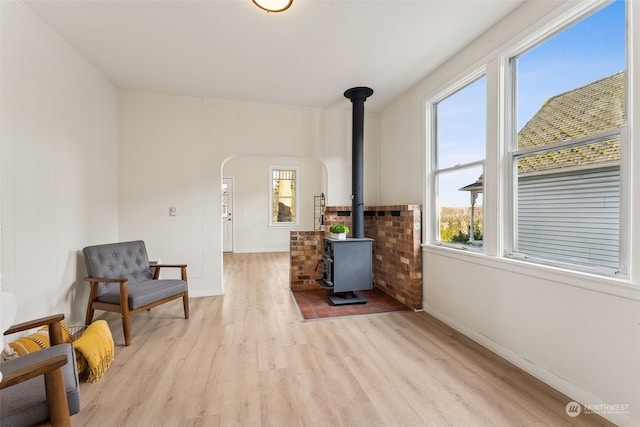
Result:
[[593, 108]]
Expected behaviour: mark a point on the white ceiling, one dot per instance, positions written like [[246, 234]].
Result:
[[306, 56]]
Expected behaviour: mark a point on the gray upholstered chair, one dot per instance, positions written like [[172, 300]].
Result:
[[122, 281], [43, 385]]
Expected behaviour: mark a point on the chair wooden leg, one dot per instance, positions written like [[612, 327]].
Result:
[[57, 398], [90, 311], [185, 304], [89, 318], [126, 327], [185, 298], [126, 316]]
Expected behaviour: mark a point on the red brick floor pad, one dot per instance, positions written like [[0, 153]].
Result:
[[315, 304]]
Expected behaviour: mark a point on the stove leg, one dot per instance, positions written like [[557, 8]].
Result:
[[344, 298]]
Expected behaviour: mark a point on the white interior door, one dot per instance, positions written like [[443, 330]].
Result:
[[227, 217]]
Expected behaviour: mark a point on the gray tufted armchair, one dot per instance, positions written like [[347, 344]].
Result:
[[122, 281]]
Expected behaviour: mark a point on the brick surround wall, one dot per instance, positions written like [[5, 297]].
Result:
[[397, 258], [305, 251]]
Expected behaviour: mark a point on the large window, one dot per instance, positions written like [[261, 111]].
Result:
[[568, 120], [459, 143], [283, 196], [542, 132]]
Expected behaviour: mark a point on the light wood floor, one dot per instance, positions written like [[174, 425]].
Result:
[[247, 359]]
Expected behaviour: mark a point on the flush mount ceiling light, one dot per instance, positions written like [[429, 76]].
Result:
[[273, 5]]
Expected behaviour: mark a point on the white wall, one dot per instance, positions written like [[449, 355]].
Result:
[[58, 166], [171, 153], [579, 333], [59, 162], [251, 193]]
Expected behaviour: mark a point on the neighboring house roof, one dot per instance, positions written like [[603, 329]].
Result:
[[477, 186], [593, 108]]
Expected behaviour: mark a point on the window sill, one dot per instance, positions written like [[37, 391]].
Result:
[[288, 226], [622, 288]]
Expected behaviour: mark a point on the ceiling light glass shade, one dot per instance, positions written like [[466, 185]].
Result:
[[273, 5]]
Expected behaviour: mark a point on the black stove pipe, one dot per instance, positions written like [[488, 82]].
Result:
[[357, 95]]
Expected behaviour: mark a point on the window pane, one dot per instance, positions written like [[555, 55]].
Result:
[[459, 152], [567, 194], [283, 196], [589, 55], [461, 126], [460, 204], [225, 200], [572, 214]]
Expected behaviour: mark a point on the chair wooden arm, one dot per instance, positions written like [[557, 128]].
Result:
[[51, 369], [182, 267], [169, 265], [55, 330], [31, 371], [25, 326]]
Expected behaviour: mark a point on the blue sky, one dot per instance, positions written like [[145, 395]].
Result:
[[588, 51]]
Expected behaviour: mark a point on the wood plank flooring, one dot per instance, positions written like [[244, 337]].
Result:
[[248, 359]]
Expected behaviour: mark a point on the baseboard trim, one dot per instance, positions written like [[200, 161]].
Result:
[[200, 294], [579, 395]]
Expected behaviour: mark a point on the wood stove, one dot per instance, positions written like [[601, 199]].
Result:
[[346, 268]]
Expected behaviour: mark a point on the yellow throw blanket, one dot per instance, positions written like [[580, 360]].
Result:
[[94, 351], [30, 343], [38, 340]]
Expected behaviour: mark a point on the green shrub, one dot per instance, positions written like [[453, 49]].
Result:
[[339, 228]]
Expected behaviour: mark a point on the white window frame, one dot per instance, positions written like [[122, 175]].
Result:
[[509, 115], [497, 227], [296, 197], [434, 171]]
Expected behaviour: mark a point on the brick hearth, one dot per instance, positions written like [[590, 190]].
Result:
[[397, 259]]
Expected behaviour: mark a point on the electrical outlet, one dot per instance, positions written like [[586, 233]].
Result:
[[172, 211]]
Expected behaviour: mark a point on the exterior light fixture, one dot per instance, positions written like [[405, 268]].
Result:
[[273, 5]]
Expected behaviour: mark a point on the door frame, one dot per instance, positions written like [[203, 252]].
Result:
[[231, 204]]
